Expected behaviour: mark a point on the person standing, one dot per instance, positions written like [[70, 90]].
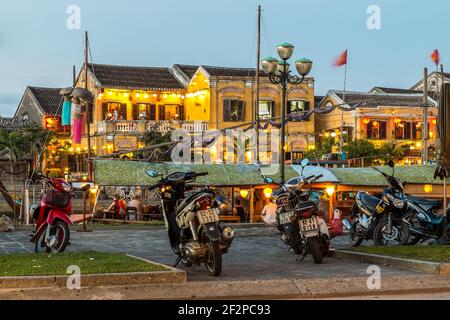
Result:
[[239, 211]]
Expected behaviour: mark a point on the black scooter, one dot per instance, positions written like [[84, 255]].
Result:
[[193, 221]]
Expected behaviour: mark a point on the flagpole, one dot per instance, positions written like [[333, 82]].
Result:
[[341, 139]]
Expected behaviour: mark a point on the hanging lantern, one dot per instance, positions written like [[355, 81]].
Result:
[[330, 191], [375, 124], [397, 120], [67, 106], [366, 120], [268, 192], [77, 127], [428, 188], [244, 193]]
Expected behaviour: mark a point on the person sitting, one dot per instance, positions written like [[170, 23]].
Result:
[[239, 211], [136, 203], [269, 212], [119, 207]]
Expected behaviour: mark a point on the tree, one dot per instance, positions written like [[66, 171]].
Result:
[[362, 149], [155, 137]]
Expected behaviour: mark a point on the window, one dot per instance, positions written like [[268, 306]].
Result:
[[25, 119], [233, 110], [408, 130], [170, 112], [298, 106], [144, 111], [266, 109], [376, 130], [114, 111]]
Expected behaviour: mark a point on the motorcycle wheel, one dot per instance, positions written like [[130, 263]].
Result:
[[61, 233], [325, 245], [314, 246], [214, 256], [399, 234], [413, 239], [354, 239], [296, 243]]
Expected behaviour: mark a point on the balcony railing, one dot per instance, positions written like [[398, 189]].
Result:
[[141, 126]]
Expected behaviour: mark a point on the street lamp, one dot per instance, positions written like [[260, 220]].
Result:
[[279, 73]]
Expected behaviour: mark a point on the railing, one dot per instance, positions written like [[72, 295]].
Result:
[[141, 126]]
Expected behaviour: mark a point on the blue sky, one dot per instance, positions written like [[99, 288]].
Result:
[[36, 48]]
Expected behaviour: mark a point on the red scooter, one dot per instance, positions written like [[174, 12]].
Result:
[[52, 217]]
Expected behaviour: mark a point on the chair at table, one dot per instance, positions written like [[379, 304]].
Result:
[[131, 214]]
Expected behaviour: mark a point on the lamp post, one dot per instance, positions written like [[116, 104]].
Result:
[[279, 73]]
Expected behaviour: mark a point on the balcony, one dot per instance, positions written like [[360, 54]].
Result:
[[141, 126]]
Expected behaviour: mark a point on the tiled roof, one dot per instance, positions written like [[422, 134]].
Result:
[[381, 99], [394, 90], [142, 78], [188, 70], [5, 122], [49, 99], [214, 71], [232, 72]]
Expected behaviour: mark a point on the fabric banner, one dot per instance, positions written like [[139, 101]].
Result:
[[66, 113], [77, 127]]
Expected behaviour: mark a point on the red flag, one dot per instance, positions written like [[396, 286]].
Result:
[[341, 60], [435, 57]]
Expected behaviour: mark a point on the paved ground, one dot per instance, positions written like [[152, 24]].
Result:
[[256, 254]]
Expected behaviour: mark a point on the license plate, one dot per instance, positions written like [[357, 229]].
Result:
[[208, 216], [285, 217], [308, 225]]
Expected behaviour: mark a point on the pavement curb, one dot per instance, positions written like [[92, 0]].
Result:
[[171, 276], [237, 290], [401, 263]]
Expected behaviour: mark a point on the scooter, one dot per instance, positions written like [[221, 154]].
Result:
[[426, 219], [379, 217], [193, 221], [52, 217], [298, 218]]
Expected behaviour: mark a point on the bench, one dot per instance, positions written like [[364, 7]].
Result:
[[226, 218]]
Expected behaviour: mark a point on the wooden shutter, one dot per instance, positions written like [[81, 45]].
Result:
[[307, 106], [104, 110], [123, 111], [226, 110], [241, 109], [152, 112], [135, 111], [383, 131], [162, 115]]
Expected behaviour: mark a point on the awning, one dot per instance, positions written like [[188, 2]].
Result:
[[133, 173]]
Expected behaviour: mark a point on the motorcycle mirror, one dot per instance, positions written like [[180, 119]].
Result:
[[268, 180], [391, 163], [305, 162], [152, 173]]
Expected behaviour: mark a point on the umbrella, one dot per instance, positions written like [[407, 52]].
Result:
[[443, 128]]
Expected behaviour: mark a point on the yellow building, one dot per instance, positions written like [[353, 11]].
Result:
[[131, 100], [226, 97], [381, 115]]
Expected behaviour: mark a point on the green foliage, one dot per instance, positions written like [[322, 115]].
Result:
[[157, 154], [89, 263], [361, 149], [22, 143]]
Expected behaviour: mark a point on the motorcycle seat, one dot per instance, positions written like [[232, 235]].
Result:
[[424, 203], [187, 200], [370, 201]]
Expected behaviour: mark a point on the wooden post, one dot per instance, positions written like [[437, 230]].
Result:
[[88, 123], [425, 135], [252, 205], [258, 58]]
